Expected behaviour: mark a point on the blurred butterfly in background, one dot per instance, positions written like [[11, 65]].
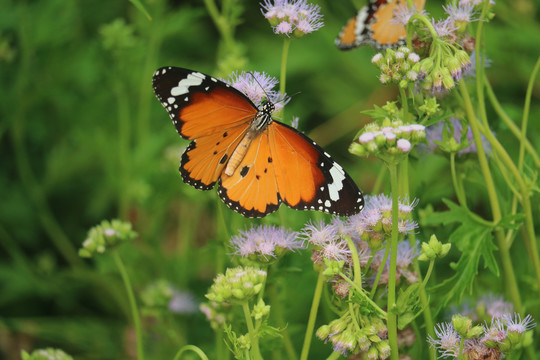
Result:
[[257, 161], [373, 26]]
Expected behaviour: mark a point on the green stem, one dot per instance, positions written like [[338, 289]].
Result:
[[458, 186], [356, 262], [377, 186], [509, 123], [526, 109], [277, 313], [132, 303], [404, 104], [333, 356], [193, 348], [379, 271], [428, 318], [362, 293], [428, 274], [283, 73], [251, 331], [123, 148], [391, 313], [312, 317], [494, 201]]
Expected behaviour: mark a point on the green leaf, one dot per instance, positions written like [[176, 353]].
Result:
[[141, 8], [408, 305], [474, 238], [511, 221]]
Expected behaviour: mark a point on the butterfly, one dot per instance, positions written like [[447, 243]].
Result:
[[373, 26], [256, 161]]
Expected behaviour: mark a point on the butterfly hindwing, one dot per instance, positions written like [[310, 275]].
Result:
[[373, 26], [252, 189], [206, 158], [308, 178], [200, 105]]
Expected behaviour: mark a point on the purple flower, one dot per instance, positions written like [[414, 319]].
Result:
[[318, 234], [434, 133], [518, 325], [444, 28], [460, 14], [294, 16], [266, 241], [403, 13], [404, 145], [258, 87], [494, 306], [182, 303], [448, 340]]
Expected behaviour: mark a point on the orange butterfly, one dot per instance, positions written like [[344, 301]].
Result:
[[258, 162], [373, 26]]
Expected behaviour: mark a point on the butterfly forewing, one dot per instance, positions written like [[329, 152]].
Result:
[[200, 105]]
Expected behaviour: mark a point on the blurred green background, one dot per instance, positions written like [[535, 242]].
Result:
[[82, 138]]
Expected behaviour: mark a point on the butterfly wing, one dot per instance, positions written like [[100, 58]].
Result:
[[373, 26], [211, 113], [282, 164]]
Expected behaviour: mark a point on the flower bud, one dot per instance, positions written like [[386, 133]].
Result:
[[461, 324]]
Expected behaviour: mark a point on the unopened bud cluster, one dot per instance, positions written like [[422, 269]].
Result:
[[390, 138], [442, 73], [238, 284], [397, 66], [46, 354], [433, 249], [370, 339], [106, 235]]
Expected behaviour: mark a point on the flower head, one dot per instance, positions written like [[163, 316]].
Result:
[[106, 234], [292, 17], [518, 325], [237, 284], [444, 28], [456, 142], [460, 15], [46, 354], [265, 241], [447, 340], [403, 13], [258, 87]]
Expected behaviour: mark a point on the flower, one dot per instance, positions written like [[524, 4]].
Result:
[[403, 13], [258, 87], [265, 241], [444, 28], [182, 302], [493, 306], [46, 354], [460, 15], [448, 339], [295, 17], [318, 234], [106, 234], [456, 142], [518, 325], [237, 284]]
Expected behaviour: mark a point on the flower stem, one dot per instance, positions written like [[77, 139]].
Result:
[[193, 348], [362, 293], [391, 313], [283, 73], [132, 303], [251, 331], [494, 201], [312, 317], [510, 124], [458, 186]]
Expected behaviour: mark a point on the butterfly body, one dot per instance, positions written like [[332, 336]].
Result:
[[373, 25], [257, 162]]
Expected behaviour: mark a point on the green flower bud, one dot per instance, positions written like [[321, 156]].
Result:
[[384, 349], [106, 235], [323, 332], [260, 310], [475, 332], [46, 354], [373, 353], [461, 324], [358, 149]]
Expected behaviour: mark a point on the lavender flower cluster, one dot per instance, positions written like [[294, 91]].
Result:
[[292, 18]]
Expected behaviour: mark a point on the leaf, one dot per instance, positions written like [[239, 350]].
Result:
[[511, 221], [141, 8], [474, 238], [408, 305]]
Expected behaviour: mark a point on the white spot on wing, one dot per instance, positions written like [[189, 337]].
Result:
[[327, 203], [337, 181], [193, 79], [171, 100]]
